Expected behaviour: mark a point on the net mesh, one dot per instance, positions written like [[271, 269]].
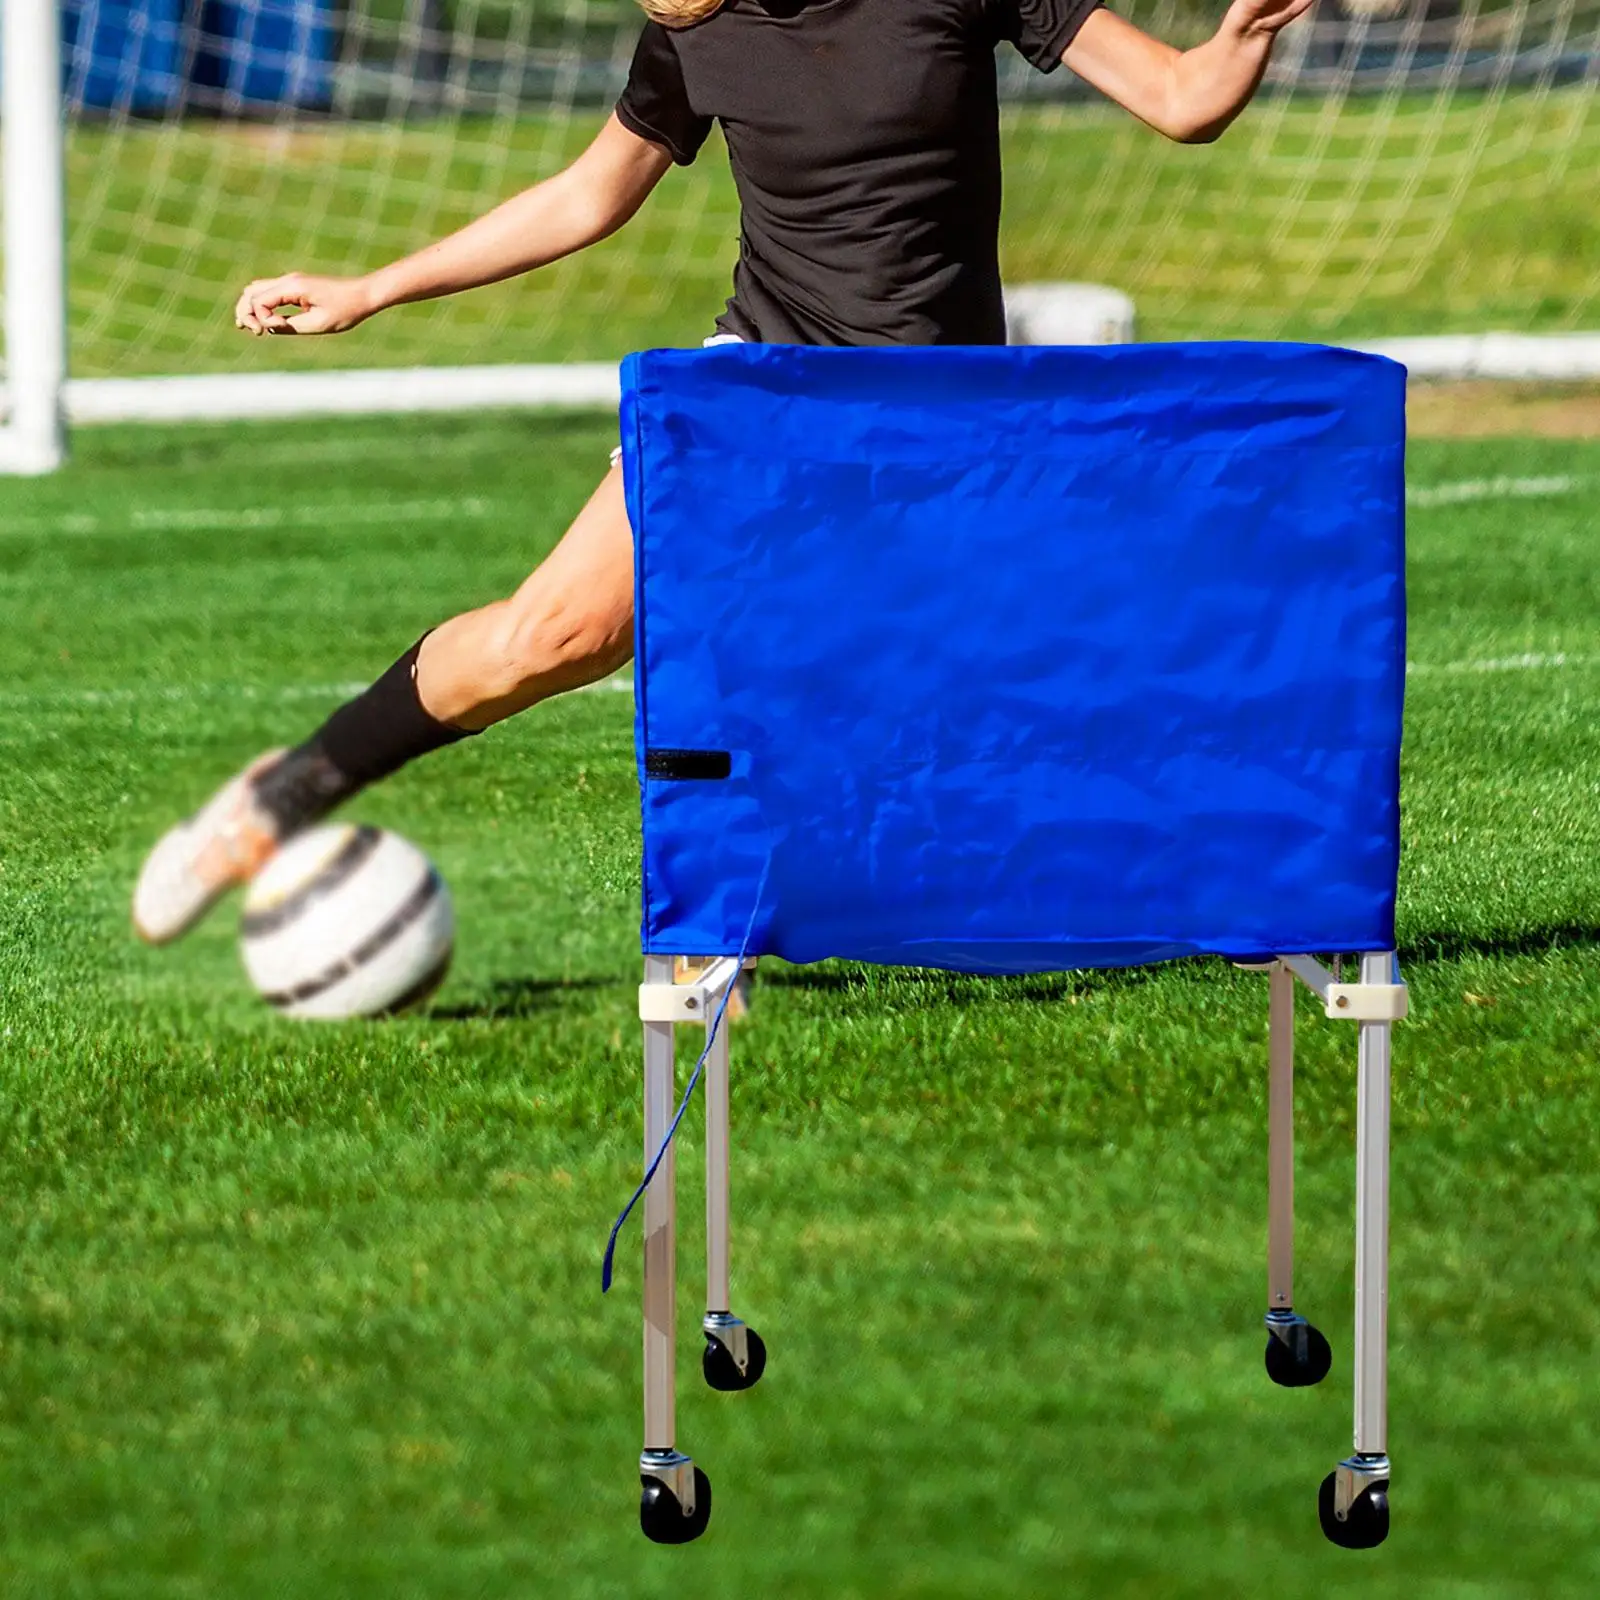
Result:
[[1424, 169]]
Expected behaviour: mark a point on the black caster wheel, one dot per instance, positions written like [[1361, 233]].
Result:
[[1300, 1362], [1368, 1523], [662, 1518], [722, 1371]]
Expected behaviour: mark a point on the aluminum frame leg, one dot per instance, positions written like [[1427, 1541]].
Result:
[[1280, 1140], [1297, 1355], [661, 1461], [717, 1157], [1354, 1502], [734, 1357], [660, 1228], [1373, 1096]]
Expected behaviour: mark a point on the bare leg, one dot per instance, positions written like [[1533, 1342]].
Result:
[[570, 623]]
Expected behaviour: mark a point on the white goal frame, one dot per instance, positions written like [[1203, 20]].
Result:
[[32, 197]]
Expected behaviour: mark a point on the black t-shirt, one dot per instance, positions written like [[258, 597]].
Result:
[[864, 137]]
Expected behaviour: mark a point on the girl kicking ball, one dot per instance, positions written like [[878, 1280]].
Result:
[[864, 139]]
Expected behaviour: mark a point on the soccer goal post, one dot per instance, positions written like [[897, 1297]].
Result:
[[32, 189]]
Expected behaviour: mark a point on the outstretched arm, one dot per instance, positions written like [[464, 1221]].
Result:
[[579, 206], [1189, 95]]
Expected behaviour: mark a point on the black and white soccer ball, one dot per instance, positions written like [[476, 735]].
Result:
[[347, 921]]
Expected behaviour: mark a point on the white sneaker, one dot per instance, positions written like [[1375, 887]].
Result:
[[194, 864]]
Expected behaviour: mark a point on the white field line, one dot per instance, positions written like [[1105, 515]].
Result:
[[221, 397], [244, 519], [369, 514], [1494, 355], [210, 693], [1532, 662], [1426, 496], [619, 683]]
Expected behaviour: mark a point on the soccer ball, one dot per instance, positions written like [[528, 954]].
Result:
[[347, 921]]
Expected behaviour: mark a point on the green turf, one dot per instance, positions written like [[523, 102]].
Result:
[[1321, 219], [314, 1311]]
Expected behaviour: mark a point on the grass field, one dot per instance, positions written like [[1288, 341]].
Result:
[[314, 1311]]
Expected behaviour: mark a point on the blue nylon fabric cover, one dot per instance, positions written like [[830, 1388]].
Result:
[[1026, 659]]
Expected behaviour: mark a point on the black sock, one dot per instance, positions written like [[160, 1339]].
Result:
[[364, 740]]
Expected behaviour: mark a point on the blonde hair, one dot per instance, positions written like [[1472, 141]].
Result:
[[679, 13]]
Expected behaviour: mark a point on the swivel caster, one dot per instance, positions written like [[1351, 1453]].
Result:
[[1297, 1354], [1366, 1522], [734, 1357], [674, 1498]]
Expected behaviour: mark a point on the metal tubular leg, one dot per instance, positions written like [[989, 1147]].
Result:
[[1297, 1354], [1353, 1503], [660, 1228], [674, 1494], [716, 1090], [1372, 1223], [734, 1357], [1280, 1140]]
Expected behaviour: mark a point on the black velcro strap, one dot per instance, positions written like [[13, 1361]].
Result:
[[687, 763]]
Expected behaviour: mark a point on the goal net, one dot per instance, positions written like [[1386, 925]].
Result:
[[1412, 166]]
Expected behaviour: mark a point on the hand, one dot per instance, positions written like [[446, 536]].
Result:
[[1265, 17], [320, 305]]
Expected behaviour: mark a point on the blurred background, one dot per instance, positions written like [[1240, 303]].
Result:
[[1413, 166]]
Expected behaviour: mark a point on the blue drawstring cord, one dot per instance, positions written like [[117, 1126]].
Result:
[[688, 1092]]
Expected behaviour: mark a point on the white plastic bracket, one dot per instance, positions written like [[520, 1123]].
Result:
[[688, 1002], [1368, 1002], [1352, 1002]]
